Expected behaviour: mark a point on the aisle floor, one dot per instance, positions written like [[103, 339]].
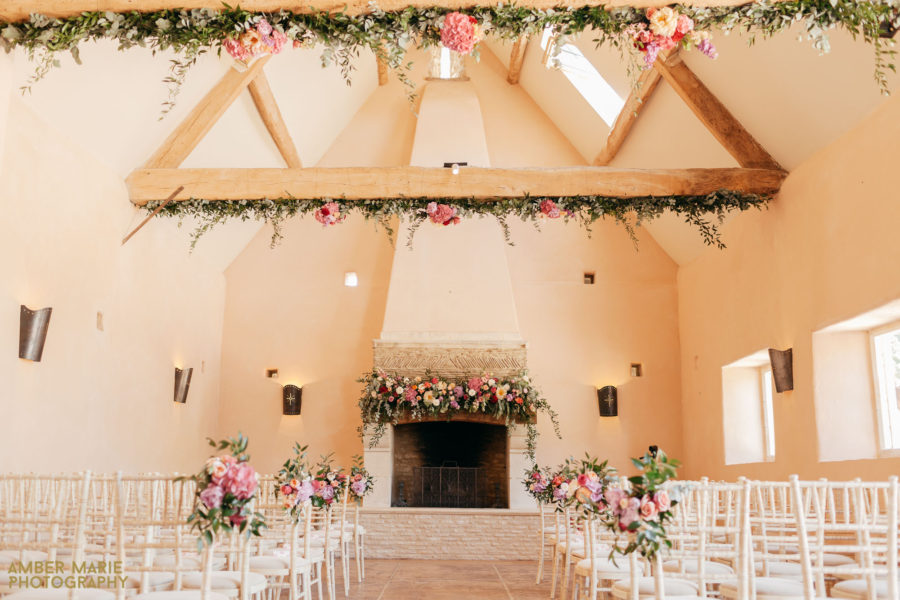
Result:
[[447, 580]]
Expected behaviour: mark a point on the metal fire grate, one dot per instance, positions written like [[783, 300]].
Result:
[[448, 486]]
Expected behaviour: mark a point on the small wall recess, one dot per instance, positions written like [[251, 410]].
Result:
[[272, 373], [637, 370], [588, 279]]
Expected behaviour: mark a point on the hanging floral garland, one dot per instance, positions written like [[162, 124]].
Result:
[[246, 35], [702, 212], [387, 397]]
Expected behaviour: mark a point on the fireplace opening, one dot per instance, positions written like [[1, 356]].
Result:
[[452, 464]]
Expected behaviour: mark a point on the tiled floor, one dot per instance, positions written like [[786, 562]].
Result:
[[446, 580]]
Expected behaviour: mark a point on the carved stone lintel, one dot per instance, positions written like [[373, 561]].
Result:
[[450, 359]]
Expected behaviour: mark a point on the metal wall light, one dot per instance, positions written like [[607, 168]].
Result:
[[33, 325], [608, 401], [782, 362], [182, 384], [291, 399]]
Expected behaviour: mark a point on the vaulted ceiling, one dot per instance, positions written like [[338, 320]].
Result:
[[789, 98]]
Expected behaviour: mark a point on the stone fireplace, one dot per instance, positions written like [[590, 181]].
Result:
[[456, 464]]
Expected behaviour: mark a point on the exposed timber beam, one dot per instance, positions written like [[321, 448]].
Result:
[[647, 83], [271, 116], [202, 117], [516, 58], [19, 10], [712, 113], [471, 182], [382, 71]]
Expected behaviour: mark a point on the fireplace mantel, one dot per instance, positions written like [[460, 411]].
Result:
[[450, 358]]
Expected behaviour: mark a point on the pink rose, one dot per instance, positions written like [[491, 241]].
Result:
[[241, 481], [662, 500], [685, 24], [286, 489], [550, 209], [329, 214], [237, 519], [649, 511], [458, 32], [441, 214]]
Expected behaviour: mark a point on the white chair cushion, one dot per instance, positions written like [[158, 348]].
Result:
[[787, 570], [604, 568], [688, 566], [767, 588], [275, 563], [675, 588], [62, 594], [858, 588], [835, 560], [181, 595], [8, 557], [155, 580], [225, 580], [189, 561]]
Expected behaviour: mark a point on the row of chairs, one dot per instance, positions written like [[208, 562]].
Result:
[[749, 540], [105, 537]]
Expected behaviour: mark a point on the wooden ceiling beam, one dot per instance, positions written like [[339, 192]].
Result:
[[19, 10], [712, 113], [635, 103], [274, 122], [182, 141], [516, 58], [471, 182]]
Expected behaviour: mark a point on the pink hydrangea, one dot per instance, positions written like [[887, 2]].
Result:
[[212, 496], [441, 214], [411, 395], [459, 32], [474, 383], [241, 481], [329, 214]]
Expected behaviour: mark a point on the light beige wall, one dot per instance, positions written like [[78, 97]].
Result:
[[99, 399], [287, 308], [825, 251]]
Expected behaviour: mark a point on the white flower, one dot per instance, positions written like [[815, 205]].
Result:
[[429, 398], [399, 390], [664, 21], [442, 385], [471, 392], [492, 382]]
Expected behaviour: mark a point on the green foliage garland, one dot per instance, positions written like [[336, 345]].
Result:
[[703, 212], [190, 33]]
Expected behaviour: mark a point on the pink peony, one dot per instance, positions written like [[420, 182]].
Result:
[[241, 481], [263, 27], [411, 395], [662, 500], [236, 50], [649, 511], [212, 496], [329, 214], [326, 493], [459, 32], [474, 383], [684, 26], [614, 496], [442, 214], [628, 513], [305, 492]]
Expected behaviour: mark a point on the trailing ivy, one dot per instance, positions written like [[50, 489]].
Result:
[[703, 212], [190, 33]]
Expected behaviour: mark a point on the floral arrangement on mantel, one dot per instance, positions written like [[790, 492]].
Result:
[[246, 35], [638, 512], [702, 212], [386, 398], [226, 488]]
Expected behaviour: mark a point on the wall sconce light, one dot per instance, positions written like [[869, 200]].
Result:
[[182, 384], [782, 362], [33, 325], [608, 401], [291, 399], [351, 279]]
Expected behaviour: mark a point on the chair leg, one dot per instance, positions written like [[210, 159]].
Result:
[[565, 574], [358, 555], [540, 573], [555, 572]]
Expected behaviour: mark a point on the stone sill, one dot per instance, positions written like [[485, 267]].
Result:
[[474, 512]]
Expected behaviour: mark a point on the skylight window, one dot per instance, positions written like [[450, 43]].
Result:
[[586, 79]]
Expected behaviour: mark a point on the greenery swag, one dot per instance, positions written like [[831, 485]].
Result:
[[386, 398], [703, 212]]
